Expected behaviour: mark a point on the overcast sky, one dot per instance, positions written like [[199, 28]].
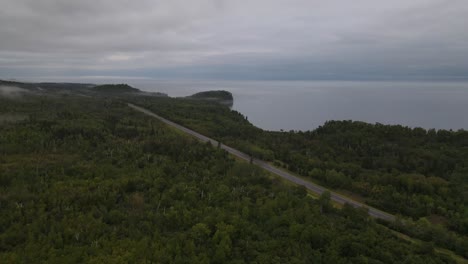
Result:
[[235, 39]]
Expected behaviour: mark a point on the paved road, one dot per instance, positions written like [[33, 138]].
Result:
[[288, 176]]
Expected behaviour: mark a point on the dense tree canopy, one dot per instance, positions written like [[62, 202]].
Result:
[[115, 88], [413, 172], [87, 180], [214, 95]]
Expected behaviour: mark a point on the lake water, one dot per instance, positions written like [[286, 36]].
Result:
[[305, 105]]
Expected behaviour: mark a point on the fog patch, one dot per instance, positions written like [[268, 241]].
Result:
[[12, 92]]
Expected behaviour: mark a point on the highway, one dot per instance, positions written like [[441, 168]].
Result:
[[288, 176]]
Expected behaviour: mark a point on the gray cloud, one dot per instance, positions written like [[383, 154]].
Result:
[[286, 39]]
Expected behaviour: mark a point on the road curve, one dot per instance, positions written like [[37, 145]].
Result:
[[288, 176]]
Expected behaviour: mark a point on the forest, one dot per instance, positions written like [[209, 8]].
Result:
[[115, 88], [210, 95], [88, 180], [419, 175]]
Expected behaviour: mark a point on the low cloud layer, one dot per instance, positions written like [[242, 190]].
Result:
[[229, 39], [12, 92]]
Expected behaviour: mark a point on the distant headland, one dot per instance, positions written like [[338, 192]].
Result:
[[109, 90]]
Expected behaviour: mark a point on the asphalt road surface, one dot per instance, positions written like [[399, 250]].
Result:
[[288, 176]]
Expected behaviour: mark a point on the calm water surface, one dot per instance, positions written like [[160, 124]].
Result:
[[305, 105]]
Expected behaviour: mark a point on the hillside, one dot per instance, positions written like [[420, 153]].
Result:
[[115, 88], [81, 89], [213, 95]]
